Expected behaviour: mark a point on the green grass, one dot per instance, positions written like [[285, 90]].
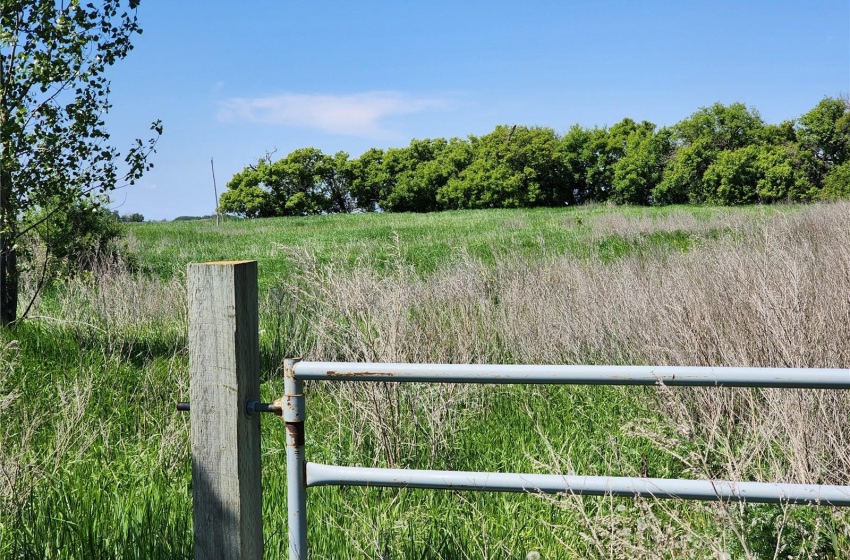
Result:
[[423, 241], [116, 498], [104, 486], [506, 435], [121, 487]]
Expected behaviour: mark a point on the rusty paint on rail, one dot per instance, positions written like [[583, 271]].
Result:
[[344, 374], [295, 434]]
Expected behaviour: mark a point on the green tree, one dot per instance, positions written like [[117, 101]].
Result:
[[588, 158], [723, 127], [782, 134], [404, 186], [613, 147], [336, 176], [697, 142], [450, 159], [757, 173], [732, 178], [134, 217], [836, 184], [681, 181], [368, 179], [54, 148], [304, 182], [575, 155], [824, 134], [247, 194], [92, 230], [641, 167], [511, 167], [295, 183], [781, 176]]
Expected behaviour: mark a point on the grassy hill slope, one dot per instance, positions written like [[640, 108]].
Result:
[[95, 461]]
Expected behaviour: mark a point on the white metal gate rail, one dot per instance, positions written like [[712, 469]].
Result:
[[301, 474]]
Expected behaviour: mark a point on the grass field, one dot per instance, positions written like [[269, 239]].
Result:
[[94, 461], [424, 241]]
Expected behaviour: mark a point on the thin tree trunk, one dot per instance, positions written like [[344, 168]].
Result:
[[8, 254], [8, 282]]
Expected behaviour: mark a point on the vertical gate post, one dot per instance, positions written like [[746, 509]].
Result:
[[294, 412], [224, 360]]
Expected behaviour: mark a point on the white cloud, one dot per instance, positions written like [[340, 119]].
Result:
[[360, 114]]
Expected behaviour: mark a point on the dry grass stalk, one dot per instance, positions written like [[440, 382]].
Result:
[[775, 293], [677, 220], [112, 297]]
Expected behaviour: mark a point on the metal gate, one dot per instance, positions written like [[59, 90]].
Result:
[[302, 474]]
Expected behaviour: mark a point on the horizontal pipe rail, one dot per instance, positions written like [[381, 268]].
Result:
[[315, 474], [708, 490], [789, 378]]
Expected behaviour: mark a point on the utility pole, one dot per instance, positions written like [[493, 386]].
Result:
[[215, 191]]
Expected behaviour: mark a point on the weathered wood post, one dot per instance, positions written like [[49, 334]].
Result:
[[224, 360]]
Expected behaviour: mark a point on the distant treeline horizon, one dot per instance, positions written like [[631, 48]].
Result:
[[718, 155]]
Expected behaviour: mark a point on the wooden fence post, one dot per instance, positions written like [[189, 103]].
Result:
[[224, 360]]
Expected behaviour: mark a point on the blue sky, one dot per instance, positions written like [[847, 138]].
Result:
[[233, 81]]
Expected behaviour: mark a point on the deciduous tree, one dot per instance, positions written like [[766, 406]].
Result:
[[54, 95], [406, 188], [641, 167], [512, 167], [698, 141], [824, 132]]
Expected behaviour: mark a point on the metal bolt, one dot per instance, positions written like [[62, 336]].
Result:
[[251, 407]]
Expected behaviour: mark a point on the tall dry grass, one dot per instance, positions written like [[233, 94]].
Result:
[[773, 292], [116, 305], [629, 225]]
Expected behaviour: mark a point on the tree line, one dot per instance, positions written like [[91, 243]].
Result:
[[718, 155]]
